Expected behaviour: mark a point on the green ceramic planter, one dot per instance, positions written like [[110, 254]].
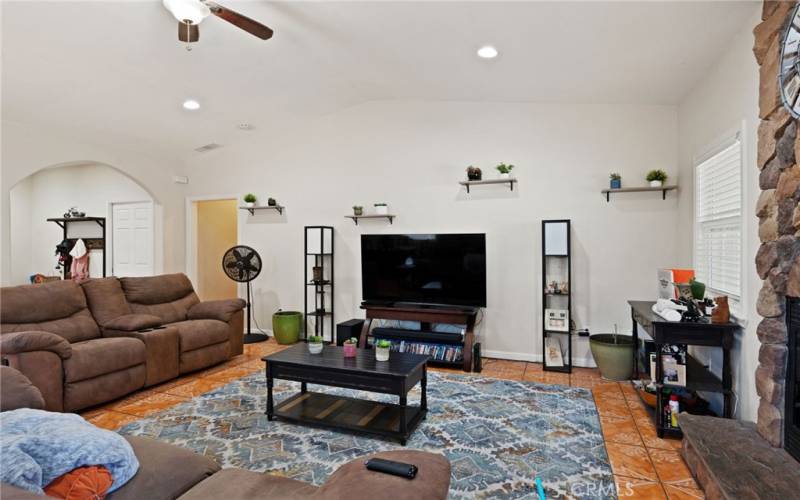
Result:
[[286, 326], [613, 357]]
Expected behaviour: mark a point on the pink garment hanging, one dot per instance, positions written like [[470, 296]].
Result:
[[79, 270]]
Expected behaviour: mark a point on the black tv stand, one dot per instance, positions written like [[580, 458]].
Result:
[[432, 314]]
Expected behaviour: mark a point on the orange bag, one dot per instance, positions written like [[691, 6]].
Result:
[[84, 483]]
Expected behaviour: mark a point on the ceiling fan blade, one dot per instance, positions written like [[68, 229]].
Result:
[[240, 21], [188, 33]]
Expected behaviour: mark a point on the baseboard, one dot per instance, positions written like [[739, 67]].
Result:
[[534, 358]]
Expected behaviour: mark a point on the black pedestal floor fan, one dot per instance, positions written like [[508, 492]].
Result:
[[242, 264]]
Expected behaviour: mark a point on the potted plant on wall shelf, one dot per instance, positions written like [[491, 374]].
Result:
[[474, 173], [249, 200], [505, 170], [315, 344], [382, 350], [350, 347], [616, 180], [656, 178], [381, 209], [358, 210], [271, 202]]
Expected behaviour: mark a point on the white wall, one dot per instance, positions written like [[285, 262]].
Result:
[[724, 100], [49, 193], [412, 154], [26, 149]]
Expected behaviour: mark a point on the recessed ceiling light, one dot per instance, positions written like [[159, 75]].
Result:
[[487, 52], [191, 104], [245, 126]]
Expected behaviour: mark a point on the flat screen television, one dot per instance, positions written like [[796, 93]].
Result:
[[436, 269]]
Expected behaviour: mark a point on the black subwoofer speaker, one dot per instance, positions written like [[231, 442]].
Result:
[[350, 328]]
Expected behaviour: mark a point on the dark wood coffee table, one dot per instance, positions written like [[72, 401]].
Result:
[[397, 376]]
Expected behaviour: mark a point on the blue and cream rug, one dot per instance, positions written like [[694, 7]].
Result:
[[499, 435]]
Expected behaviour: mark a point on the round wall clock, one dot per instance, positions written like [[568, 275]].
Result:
[[789, 78]]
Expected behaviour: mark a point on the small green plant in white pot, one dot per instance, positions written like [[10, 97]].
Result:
[[250, 200], [504, 170], [382, 350], [381, 209], [656, 178], [315, 344]]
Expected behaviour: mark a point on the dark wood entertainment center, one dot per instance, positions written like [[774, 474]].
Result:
[[425, 314]]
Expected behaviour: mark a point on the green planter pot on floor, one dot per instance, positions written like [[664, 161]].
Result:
[[286, 326], [613, 355]]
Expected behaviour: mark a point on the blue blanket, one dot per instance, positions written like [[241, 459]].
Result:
[[38, 446]]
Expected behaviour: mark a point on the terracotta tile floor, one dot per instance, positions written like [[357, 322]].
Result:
[[644, 466]]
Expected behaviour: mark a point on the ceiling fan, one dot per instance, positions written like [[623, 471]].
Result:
[[190, 13]]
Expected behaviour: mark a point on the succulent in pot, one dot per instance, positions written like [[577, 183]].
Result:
[[249, 200], [315, 344], [474, 173], [616, 180], [271, 202], [382, 350], [656, 178], [381, 208], [358, 210], [504, 170], [350, 346]]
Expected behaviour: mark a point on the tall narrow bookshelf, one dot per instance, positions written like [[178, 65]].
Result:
[[319, 287], [556, 296]]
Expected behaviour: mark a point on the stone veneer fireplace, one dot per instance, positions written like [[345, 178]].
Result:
[[778, 210]]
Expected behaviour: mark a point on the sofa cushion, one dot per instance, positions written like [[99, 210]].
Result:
[[168, 296], [17, 391], [240, 484], [41, 302], [105, 299], [100, 356], [103, 388], [133, 322], [76, 328], [165, 471], [197, 333]]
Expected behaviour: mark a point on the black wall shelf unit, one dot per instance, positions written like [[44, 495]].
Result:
[[557, 298], [510, 182], [318, 293], [253, 210], [355, 218], [92, 243], [642, 189]]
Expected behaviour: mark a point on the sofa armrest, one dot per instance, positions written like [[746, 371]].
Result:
[[133, 322], [30, 341], [17, 391], [222, 310]]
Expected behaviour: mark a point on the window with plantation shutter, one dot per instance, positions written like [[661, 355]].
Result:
[[718, 221]]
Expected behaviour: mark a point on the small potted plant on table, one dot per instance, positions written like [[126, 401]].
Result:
[[315, 344], [382, 209], [358, 210], [656, 178], [350, 347], [505, 170], [382, 350], [249, 200], [616, 180]]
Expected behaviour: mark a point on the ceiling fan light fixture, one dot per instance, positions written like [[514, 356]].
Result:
[[191, 11], [487, 52]]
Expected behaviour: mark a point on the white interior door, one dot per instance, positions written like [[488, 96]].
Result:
[[132, 243]]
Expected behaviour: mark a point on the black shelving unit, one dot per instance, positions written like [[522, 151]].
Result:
[[92, 243], [318, 248], [557, 266]]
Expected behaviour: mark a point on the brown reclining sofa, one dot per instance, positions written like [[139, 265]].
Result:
[[83, 345], [167, 472]]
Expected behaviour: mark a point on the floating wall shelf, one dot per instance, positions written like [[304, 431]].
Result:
[[510, 183], [356, 217], [252, 210], [663, 190]]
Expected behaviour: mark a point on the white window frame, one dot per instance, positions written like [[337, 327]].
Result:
[[725, 141]]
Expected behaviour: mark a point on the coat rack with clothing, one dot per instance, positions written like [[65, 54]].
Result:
[[79, 240]]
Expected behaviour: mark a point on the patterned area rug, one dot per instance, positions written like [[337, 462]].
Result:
[[499, 435]]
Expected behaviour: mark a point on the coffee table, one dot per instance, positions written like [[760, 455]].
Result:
[[397, 376]]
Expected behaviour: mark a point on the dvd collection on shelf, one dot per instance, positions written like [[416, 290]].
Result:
[[439, 352]]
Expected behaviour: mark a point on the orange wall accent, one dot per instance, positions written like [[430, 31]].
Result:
[[216, 232]]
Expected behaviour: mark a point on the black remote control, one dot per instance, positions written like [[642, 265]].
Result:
[[407, 471]]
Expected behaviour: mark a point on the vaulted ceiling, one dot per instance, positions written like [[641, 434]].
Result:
[[114, 71]]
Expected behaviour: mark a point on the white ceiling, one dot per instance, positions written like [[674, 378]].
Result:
[[114, 71]]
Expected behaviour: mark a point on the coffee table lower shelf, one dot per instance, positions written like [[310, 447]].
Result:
[[352, 414]]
